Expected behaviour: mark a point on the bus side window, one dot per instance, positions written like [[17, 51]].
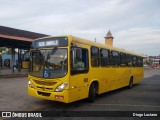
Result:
[[79, 60], [115, 58], [137, 61], [95, 62], [104, 57], [140, 62], [141, 59], [122, 59], [134, 61], [129, 60], [110, 58]]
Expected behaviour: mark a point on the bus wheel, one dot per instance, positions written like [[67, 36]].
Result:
[[130, 83], [92, 93]]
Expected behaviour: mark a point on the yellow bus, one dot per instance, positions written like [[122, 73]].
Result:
[[69, 68]]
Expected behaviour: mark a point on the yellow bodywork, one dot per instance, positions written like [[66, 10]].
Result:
[[108, 78]]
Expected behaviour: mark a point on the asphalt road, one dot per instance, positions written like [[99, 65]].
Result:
[[142, 97]]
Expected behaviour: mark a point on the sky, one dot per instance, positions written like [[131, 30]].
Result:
[[134, 24]]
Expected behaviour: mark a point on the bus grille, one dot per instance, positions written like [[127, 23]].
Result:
[[43, 93], [44, 83]]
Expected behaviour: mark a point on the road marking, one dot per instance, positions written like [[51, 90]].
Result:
[[125, 105]]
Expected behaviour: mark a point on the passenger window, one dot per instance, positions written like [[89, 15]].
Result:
[[115, 58], [95, 57], [123, 59], [129, 60], [79, 60], [104, 57], [135, 61], [140, 62]]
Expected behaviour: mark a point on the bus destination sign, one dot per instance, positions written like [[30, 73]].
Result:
[[50, 42]]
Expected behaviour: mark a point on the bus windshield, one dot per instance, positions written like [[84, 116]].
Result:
[[48, 63]]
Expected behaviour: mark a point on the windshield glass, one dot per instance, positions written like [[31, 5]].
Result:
[[50, 63]]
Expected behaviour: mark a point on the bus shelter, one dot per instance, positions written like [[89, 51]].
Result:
[[14, 49]]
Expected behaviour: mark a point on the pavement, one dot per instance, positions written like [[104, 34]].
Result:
[[8, 73], [142, 97], [151, 72]]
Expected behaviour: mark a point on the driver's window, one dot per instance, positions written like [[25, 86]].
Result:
[[79, 60]]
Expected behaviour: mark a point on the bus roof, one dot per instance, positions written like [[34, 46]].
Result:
[[89, 42]]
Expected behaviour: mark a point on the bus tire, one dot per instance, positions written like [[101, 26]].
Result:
[[92, 93], [130, 83]]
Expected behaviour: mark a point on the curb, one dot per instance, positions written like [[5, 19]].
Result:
[[13, 75]]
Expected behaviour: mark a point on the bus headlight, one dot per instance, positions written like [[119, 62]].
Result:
[[30, 84], [61, 87]]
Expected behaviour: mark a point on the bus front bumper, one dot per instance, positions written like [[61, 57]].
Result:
[[54, 96]]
